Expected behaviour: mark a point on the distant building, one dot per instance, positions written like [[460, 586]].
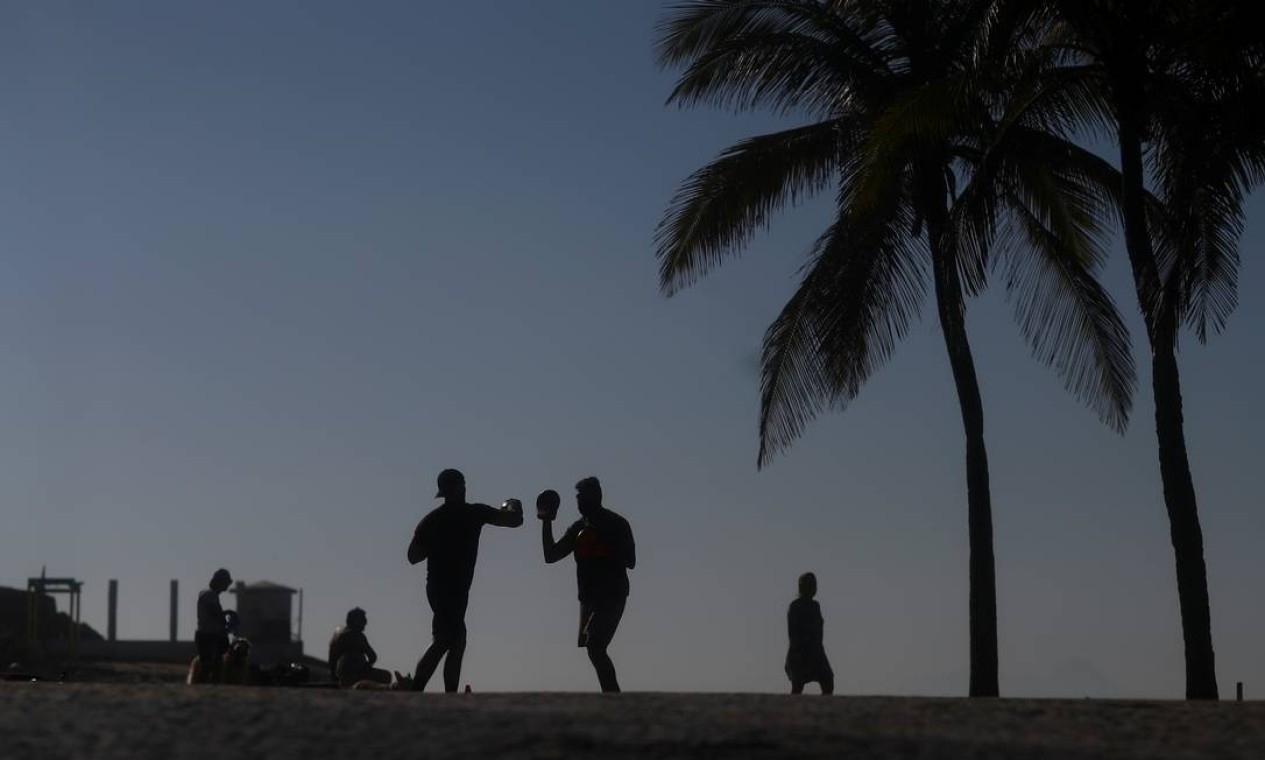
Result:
[[51, 630], [266, 611]]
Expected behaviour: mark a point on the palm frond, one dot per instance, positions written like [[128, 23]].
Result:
[[1207, 155], [916, 128], [781, 71], [862, 290], [932, 113], [784, 55], [721, 206], [1052, 241], [690, 29]]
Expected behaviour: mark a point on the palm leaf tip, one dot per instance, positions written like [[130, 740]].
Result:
[[720, 207]]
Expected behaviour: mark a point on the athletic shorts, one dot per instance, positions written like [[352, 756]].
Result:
[[449, 621], [599, 621]]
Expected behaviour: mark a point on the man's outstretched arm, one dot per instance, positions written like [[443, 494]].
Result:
[[504, 517], [555, 550]]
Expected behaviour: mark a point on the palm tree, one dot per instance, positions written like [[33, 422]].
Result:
[[1180, 83], [939, 169]]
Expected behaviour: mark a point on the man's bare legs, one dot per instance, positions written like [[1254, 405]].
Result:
[[599, 625], [455, 649], [448, 629], [452, 665], [604, 667], [430, 660]]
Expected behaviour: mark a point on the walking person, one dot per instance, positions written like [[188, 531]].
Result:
[[602, 542], [447, 539], [806, 658]]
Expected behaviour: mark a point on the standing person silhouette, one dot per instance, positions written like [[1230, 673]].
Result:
[[602, 542], [211, 637], [806, 658], [448, 540]]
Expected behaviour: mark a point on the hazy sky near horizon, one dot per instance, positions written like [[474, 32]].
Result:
[[268, 267]]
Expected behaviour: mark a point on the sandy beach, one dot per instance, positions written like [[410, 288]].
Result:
[[169, 721]]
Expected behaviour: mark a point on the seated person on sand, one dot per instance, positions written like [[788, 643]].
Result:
[[351, 659], [806, 659]]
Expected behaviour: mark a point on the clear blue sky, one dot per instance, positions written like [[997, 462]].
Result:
[[268, 267]]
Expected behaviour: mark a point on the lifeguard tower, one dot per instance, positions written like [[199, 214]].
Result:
[[38, 589], [266, 610]]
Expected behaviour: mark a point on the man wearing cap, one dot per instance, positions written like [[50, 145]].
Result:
[[602, 542], [448, 539]]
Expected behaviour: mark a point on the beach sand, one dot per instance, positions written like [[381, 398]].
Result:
[[170, 721]]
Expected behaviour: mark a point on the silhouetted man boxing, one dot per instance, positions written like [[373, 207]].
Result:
[[602, 542], [448, 539]]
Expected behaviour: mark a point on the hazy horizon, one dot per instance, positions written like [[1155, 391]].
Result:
[[268, 270]]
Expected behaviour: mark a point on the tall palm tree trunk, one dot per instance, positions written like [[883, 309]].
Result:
[[1179, 486], [983, 573], [1183, 524]]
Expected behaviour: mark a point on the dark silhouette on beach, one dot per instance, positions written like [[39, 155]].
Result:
[[448, 539], [806, 658], [602, 543], [351, 659], [211, 637]]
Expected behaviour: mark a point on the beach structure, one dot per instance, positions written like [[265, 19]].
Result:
[[37, 589], [264, 609], [267, 615], [112, 648]]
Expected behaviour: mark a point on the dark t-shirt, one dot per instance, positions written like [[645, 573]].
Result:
[[804, 625], [450, 537], [210, 613], [601, 570]]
